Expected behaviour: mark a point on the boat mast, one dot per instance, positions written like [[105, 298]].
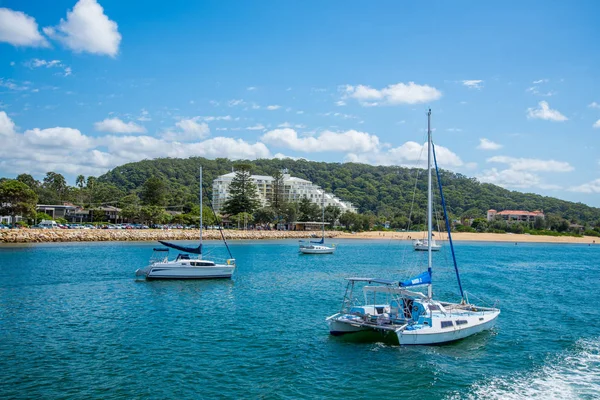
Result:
[[323, 218], [200, 256], [429, 202]]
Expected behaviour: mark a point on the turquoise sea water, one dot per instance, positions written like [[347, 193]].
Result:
[[74, 323]]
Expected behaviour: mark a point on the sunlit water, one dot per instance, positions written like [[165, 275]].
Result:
[[74, 323]]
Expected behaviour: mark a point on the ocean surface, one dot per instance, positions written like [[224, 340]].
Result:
[[76, 324]]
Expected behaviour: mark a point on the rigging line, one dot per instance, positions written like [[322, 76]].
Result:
[[437, 172]]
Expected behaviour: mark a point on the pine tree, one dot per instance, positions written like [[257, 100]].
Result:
[[277, 198], [243, 194]]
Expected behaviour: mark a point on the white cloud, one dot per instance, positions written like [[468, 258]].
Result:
[[399, 93], [19, 29], [593, 104], [340, 103], [217, 118], [250, 88], [485, 144], [188, 129], [87, 29], [116, 125], [540, 81], [509, 178], [235, 102], [58, 137], [257, 127], [300, 112], [535, 90], [532, 164], [348, 141], [37, 63], [67, 150], [145, 116], [339, 115], [288, 125], [590, 187], [273, 107], [7, 126], [10, 84], [473, 83], [596, 124], [409, 154], [545, 112]]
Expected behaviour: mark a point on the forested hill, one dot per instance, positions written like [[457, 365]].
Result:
[[383, 190]]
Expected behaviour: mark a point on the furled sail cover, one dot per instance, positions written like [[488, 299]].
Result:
[[423, 278], [193, 250]]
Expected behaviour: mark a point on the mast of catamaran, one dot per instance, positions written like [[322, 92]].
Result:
[[429, 202], [200, 255]]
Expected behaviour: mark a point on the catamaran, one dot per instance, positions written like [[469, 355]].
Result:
[[185, 266], [399, 309], [318, 247]]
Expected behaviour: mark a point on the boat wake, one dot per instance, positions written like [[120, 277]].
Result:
[[573, 374]]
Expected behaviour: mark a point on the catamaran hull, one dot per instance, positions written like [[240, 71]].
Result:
[[478, 322], [421, 337], [167, 272]]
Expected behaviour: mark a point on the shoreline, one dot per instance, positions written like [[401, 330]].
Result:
[[143, 235], [473, 237], [8, 236]]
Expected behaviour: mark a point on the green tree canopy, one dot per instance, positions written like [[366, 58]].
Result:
[[153, 192], [16, 198]]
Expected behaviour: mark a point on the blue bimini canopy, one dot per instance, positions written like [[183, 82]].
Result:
[[423, 278]]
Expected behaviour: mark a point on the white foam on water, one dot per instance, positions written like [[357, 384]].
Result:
[[573, 374]]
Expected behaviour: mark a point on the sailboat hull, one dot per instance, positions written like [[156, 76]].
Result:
[[178, 271], [317, 250]]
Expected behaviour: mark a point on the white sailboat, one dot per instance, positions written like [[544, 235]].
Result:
[[410, 316], [185, 266], [317, 247], [423, 245]]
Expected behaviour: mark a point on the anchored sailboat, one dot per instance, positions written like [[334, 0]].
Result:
[[395, 308], [318, 247], [184, 266]]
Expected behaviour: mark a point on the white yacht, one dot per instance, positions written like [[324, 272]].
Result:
[[185, 266], [422, 245], [398, 309]]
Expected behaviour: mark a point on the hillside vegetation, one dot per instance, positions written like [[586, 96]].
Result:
[[386, 191]]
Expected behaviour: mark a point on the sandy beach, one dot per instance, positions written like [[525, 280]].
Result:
[[481, 237]]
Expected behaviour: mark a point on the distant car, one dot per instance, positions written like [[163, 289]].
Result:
[[2, 226]]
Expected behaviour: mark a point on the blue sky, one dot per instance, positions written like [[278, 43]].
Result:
[[89, 85]]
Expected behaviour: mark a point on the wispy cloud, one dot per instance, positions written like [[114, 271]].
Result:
[[399, 93], [545, 112], [485, 144], [473, 83]]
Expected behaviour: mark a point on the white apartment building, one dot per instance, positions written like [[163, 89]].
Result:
[[294, 190]]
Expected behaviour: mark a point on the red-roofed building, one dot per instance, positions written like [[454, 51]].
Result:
[[514, 215]]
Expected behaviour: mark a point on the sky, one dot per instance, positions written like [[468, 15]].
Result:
[[514, 86]]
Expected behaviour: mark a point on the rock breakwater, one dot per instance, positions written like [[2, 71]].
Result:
[[135, 235]]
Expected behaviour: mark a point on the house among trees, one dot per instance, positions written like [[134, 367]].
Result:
[[514, 215]]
